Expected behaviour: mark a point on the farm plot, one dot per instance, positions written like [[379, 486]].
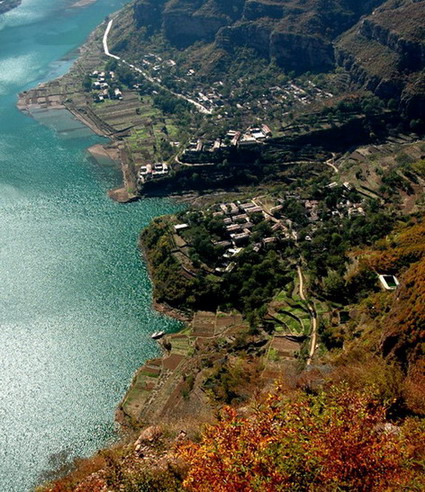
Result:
[[291, 315]]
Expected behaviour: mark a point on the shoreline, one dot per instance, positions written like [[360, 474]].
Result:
[[161, 307], [127, 414], [55, 95], [65, 93], [28, 103]]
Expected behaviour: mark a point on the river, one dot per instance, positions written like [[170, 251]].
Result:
[[75, 299]]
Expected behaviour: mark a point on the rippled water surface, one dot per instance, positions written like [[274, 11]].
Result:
[[74, 297]]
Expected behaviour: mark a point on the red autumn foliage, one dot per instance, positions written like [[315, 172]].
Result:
[[334, 441]]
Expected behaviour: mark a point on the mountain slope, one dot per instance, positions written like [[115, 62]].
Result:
[[297, 34], [385, 53]]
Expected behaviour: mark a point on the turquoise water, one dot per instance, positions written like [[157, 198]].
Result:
[[74, 296]]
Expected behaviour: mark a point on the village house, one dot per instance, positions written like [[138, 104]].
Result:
[[181, 227], [254, 210], [247, 206], [160, 169], [118, 94], [241, 217], [240, 238], [233, 228], [389, 282]]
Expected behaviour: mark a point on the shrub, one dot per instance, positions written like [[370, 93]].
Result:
[[333, 441]]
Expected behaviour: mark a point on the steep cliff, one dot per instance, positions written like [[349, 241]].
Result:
[[385, 53], [297, 34], [187, 21]]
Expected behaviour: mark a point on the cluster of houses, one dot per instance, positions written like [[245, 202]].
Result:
[[103, 85], [238, 221], [291, 92], [156, 62], [212, 99], [288, 94], [152, 171], [254, 135], [198, 150]]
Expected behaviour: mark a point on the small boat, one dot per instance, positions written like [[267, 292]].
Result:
[[157, 335]]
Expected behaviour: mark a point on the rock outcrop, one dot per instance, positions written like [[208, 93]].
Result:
[[385, 53], [296, 34], [291, 50], [380, 43]]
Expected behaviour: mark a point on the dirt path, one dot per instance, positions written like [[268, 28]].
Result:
[[313, 316], [257, 202], [331, 163]]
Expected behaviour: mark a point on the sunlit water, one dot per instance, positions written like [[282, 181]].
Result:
[[75, 313]]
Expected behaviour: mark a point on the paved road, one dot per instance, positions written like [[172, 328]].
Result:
[[202, 109], [105, 41]]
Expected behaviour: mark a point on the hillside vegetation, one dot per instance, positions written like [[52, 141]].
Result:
[[384, 52], [294, 131]]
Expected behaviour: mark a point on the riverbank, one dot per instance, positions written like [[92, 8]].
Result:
[[67, 93], [76, 305]]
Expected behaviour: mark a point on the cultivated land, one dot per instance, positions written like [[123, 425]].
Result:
[[304, 191]]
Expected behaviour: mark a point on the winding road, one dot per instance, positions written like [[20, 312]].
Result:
[[331, 163], [202, 109], [313, 316]]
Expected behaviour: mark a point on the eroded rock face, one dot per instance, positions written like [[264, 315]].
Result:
[[412, 100], [183, 28], [385, 53], [148, 14], [187, 21], [412, 53], [149, 435], [257, 9], [297, 34], [290, 50], [301, 53]]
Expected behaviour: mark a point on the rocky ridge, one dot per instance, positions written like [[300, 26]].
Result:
[[380, 43], [385, 53], [296, 34]]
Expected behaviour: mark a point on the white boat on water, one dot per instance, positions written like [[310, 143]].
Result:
[[157, 335]]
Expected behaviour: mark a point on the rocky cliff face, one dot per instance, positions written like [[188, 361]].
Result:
[[411, 53], [187, 21], [297, 34], [148, 14], [385, 53], [183, 28]]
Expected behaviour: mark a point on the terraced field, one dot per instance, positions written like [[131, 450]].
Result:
[[290, 313]]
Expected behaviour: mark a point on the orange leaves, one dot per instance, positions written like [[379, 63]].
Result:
[[406, 247], [404, 333], [322, 442]]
